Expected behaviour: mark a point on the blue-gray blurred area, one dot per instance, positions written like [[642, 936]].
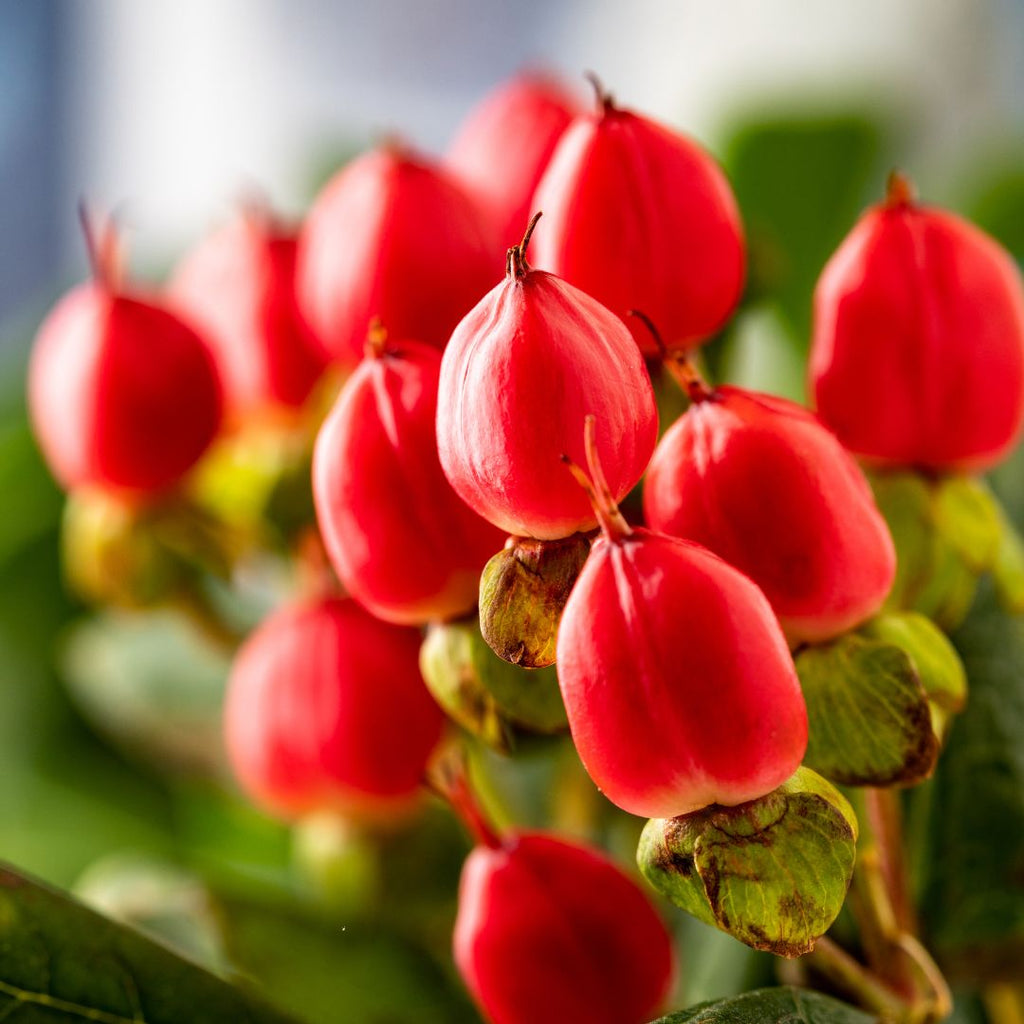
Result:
[[167, 111]]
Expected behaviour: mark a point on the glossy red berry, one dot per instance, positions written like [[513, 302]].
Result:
[[401, 540], [520, 373], [548, 932], [238, 287], [918, 351], [123, 395], [761, 483], [506, 142], [326, 710], [677, 680], [641, 217], [396, 237]]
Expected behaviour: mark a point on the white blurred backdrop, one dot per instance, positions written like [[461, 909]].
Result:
[[168, 109]]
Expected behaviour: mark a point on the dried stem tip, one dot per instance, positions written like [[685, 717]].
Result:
[[515, 258], [899, 190], [610, 519], [605, 100], [376, 339]]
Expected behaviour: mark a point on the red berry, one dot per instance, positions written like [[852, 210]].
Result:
[[326, 710], [401, 540], [123, 395], [395, 237], [642, 218], [761, 483], [520, 373], [677, 680], [918, 353], [238, 287], [549, 932], [506, 142]]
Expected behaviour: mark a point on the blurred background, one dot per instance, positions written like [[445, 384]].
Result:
[[167, 113]]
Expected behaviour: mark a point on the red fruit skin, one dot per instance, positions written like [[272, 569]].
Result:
[[238, 287], [548, 932], [122, 394], [520, 374], [641, 217], [918, 349], [761, 483], [505, 144], [677, 680], [401, 540], [326, 710], [393, 237]]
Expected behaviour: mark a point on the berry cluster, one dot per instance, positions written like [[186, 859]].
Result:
[[472, 411]]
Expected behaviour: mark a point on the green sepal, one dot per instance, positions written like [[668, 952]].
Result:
[[936, 661], [948, 531], [1008, 570], [487, 696], [772, 872], [523, 590], [869, 720]]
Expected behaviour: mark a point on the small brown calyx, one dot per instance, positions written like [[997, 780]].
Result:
[[523, 590], [516, 265], [899, 191], [103, 246], [678, 363], [605, 100], [376, 339]]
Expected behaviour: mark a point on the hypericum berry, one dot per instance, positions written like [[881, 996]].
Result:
[[326, 710], [761, 483], [918, 352], [676, 677], [123, 395], [549, 931], [506, 142], [238, 287], [520, 373], [396, 237], [642, 217], [403, 543]]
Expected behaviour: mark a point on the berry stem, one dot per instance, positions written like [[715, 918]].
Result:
[[448, 778], [677, 362], [101, 246], [899, 190], [515, 258], [605, 100], [595, 486], [376, 339]]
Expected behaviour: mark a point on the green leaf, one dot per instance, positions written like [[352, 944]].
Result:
[[801, 182], [771, 1006], [152, 684], [60, 961], [868, 717], [773, 872], [351, 971], [974, 902], [935, 659]]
